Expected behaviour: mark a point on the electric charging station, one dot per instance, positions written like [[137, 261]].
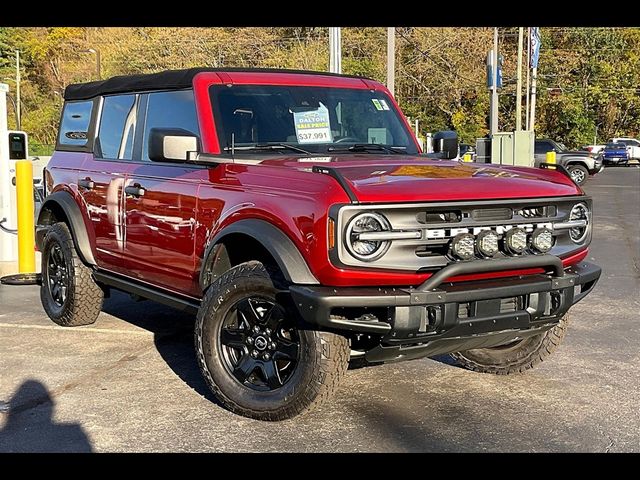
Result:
[[14, 147], [8, 241]]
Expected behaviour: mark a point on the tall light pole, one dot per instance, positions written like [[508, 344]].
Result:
[[494, 85], [519, 81], [528, 94], [335, 50], [391, 59], [96, 52], [18, 110]]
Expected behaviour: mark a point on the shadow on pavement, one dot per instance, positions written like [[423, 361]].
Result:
[[172, 335], [30, 426]]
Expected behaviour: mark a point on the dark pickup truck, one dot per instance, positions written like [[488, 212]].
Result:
[[580, 164]]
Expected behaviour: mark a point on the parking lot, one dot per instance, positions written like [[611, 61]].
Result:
[[130, 382]]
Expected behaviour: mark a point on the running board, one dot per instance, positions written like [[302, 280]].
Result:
[[173, 300]]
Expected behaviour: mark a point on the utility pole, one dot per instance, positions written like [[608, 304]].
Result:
[[535, 53], [519, 81], [534, 78], [526, 113], [391, 59], [494, 85], [96, 52], [18, 110], [335, 50]]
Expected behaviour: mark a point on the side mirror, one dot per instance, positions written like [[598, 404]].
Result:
[[171, 144], [445, 144]]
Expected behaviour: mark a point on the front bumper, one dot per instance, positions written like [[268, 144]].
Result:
[[438, 317]]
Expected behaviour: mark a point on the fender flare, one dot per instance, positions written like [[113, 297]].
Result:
[[68, 205], [291, 262]]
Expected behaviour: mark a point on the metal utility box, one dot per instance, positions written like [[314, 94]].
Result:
[[513, 148], [523, 144], [502, 148], [483, 150]]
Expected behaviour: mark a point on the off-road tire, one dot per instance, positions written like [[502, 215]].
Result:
[[581, 171], [84, 297], [516, 358], [322, 362]]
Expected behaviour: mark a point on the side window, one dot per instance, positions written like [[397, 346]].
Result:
[[74, 127], [117, 127], [169, 110], [543, 147]]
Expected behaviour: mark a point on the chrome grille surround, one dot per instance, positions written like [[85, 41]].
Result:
[[420, 239]]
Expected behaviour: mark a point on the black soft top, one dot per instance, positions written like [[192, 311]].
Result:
[[169, 79]]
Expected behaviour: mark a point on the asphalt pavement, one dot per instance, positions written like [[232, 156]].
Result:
[[130, 382]]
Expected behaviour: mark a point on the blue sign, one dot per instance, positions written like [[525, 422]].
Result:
[[535, 46], [490, 70]]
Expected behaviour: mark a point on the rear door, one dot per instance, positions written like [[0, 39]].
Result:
[[102, 177], [160, 201]]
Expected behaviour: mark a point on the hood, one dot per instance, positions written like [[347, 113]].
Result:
[[393, 179], [574, 153]]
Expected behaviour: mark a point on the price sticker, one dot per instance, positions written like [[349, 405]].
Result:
[[313, 126]]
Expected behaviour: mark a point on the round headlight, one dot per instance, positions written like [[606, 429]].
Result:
[[515, 240], [463, 246], [487, 243], [542, 240], [367, 250], [579, 212]]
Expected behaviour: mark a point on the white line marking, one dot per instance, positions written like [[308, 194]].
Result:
[[82, 329]]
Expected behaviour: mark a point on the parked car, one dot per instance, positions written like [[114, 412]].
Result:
[[467, 148], [593, 149], [633, 146], [294, 214], [579, 164], [615, 153]]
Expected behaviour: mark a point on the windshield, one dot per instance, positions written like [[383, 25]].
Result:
[[314, 119], [615, 145]]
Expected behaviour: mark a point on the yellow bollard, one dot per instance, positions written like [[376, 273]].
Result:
[[551, 157], [466, 157], [26, 229]]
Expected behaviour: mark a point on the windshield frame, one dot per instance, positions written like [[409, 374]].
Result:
[[410, 147]]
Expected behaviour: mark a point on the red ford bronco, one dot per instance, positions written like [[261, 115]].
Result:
[[296, 215]]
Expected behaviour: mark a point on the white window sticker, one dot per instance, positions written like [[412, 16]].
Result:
[[376, 103], [312, 126], [384, 104], [377, 135]]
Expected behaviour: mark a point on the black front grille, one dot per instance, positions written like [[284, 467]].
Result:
[[481, 214]]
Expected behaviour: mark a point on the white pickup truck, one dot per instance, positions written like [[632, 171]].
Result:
[[633, 146]]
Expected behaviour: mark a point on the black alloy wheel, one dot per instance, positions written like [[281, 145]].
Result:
[[69, 294], [57, 277], [260, 348], [256, 356]]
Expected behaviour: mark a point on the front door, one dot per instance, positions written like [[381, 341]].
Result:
[[160, 202], [160, 225]]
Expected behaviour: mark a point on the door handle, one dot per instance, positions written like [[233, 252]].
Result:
[[135, 190], [87, 183]]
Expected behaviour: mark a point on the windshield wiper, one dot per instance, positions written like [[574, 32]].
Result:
[[363, 147], [267, 146]]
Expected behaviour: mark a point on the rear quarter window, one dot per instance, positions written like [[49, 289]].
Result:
[[74, 127]]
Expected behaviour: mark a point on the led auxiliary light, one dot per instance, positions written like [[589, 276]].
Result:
[[542, 240], [487, 243], [463, 246], [515, 241]]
